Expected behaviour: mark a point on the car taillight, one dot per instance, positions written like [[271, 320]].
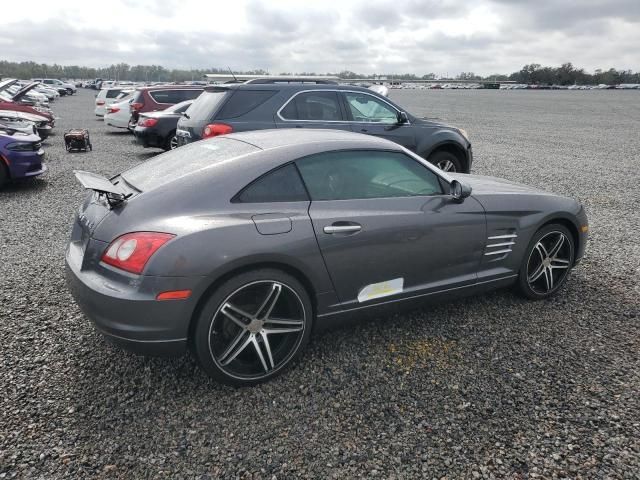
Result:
[[135, 106], [132, 251], [99, 102], [113, 109], [147, 122], [215, 129]]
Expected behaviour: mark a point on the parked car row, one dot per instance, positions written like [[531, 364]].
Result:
[[281, 102], [26, 120]]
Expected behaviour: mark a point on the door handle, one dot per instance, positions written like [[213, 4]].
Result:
[[342, 228]]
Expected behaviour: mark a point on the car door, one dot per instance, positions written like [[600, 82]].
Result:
[[373, 116], [386, 229], [313, 109]]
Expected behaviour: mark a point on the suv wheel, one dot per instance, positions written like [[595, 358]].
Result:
[[446, 161]]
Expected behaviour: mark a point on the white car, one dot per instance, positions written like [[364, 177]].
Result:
[[118, 114], [107, 96], [55, 83]]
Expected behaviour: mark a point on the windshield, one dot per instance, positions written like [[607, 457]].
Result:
[[185, 160]]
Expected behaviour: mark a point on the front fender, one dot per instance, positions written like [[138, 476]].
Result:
[[439, 138]]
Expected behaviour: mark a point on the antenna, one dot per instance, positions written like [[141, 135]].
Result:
[[231, 72]]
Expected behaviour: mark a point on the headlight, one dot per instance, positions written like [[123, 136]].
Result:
[[464, 134], [20, 147]]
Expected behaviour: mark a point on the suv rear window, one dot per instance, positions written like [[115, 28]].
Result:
[[205, 105], [174, 96], [184, 161], [315, 105], [138, 97], [243, 101]]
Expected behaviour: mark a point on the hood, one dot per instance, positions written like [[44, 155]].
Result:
[[433, 121], [482, 185], [21, 137], [7, 83], [16, 107], [23, 91]]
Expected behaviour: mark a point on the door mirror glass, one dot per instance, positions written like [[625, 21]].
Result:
[[460, 190], [403, 117]]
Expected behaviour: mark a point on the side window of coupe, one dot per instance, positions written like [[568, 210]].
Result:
[[318, 106], [367, 108], [366, 174], [281, 185]]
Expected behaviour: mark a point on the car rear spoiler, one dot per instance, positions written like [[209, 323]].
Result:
[[113, 193]]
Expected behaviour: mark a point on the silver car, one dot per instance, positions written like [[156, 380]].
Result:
[[240, 245]]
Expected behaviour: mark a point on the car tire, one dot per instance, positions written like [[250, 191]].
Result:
[[253, 327], [446, 161], [4, 175], [547, 262], [172, 141]]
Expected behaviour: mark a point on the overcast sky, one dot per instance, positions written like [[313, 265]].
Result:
[[372, 36]]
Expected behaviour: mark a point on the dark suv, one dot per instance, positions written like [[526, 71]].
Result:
[[267, 103]]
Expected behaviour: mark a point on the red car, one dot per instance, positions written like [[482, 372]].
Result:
[[159, 97], [11, 102]]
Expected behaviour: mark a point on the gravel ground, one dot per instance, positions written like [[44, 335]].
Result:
[[487, 387]]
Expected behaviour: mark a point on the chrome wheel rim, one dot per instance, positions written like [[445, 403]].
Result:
[[446, 165], [549, 263], [257, 330], [173, 144]]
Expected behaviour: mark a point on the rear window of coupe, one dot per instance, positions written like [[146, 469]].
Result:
[[186, 160]]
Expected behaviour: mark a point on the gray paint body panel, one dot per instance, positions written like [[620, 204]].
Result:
[[435, 244]]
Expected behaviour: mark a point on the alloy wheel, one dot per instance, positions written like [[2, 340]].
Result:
[[446, 165], [257, 329], [173, 143], [549, 262]]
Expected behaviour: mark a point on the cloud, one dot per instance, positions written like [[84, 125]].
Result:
[[373, 36]]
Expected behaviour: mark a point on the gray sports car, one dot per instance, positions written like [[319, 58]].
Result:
[[239, 245]]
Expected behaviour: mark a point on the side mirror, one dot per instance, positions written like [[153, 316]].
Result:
[[403, 118], [460, 190]]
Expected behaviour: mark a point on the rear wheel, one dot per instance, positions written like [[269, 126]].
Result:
[[446, 161], [171, 142], [253, 327], [547, 262]]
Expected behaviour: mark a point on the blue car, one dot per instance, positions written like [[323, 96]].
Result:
[[20, 156]]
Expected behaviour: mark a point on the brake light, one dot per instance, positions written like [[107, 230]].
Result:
[[148, 122], [215, 129], [132, 251], [113, 109], [99, 102], [135, 106]]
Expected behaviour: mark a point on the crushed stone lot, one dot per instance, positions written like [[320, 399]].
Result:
[[485, 387]]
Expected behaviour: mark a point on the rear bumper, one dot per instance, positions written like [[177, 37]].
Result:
[[147, 138], [128, 314]]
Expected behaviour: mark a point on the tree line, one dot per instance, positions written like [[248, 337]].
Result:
[[534, 73]]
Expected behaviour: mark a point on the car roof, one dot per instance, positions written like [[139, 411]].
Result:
[[285, 86], [298, 137], [170, 87]]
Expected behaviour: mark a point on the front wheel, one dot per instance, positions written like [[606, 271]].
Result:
[[547, 262], [446, 161], [4, 175], [252, 327]]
